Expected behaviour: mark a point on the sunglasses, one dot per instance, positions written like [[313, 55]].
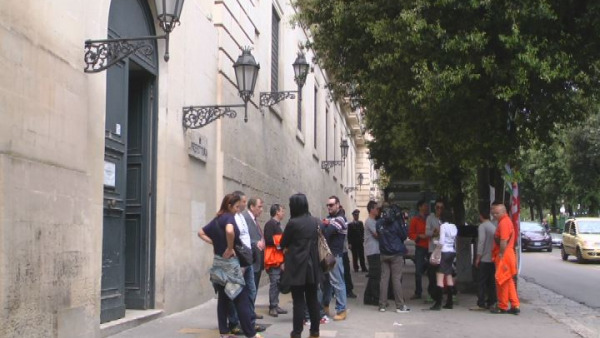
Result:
[[330, 205]]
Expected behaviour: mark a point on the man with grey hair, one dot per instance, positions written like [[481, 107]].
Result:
[[257, 240]]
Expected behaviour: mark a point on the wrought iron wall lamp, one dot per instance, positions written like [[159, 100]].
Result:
[[300, 65], [360, 183], [330, 164], [246, 72], [101, 54]]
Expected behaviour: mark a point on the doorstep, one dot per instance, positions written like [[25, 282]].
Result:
[[132, 319]]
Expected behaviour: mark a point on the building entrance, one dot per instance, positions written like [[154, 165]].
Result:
[[129, 163]]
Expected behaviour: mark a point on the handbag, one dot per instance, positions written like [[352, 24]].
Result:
[[436, 255], [244, 254], [326, 258]]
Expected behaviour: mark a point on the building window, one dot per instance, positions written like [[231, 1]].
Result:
[[275, 51], [315, 109]]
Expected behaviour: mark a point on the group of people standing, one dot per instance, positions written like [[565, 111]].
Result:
[[290, 257]]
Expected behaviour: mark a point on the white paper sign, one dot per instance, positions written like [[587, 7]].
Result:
[[110, 174]]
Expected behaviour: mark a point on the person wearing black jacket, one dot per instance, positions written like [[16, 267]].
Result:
[[391, 234], [356, 236], [302, 271]]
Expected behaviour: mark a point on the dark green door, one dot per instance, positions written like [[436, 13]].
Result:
[[129, 179], [139, 190], [115, 182]]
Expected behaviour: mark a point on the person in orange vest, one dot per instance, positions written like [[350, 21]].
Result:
[[274, 257], [505, 259]]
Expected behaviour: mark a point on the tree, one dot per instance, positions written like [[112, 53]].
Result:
[[467, 81], [583, 162]]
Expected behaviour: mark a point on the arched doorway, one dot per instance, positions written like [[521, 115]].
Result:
[[129, 169]]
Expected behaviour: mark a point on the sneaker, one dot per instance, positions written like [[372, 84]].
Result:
[[514, 310], [281, 311], [273, 312], [235, 330], [403, 309], [259, 328], [381, 309], [350, 295], [340, 316], [325, 320]]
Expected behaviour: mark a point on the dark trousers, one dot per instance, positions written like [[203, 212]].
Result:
[[371, 296], [257, 274], [347, 276], [486, 293], [303, 296], [274, 277], [431, 276], [358, 254], [420, 266], [242, 306]]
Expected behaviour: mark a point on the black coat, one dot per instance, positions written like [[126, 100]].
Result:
[[302, 258]]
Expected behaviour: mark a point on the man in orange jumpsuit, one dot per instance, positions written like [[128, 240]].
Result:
[[504, 256]]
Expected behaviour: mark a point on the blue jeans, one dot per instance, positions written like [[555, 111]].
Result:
[[251, 287], [336, 278], [420, 265]]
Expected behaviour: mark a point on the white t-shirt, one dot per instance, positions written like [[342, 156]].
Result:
[[243, 227], [448, 233]]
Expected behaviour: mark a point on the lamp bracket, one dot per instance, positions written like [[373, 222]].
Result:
[[101, 54], [349, 189], [195, 117], [330, 164], [268, 99]]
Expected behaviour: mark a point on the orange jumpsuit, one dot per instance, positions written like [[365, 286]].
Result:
[[506, 267]]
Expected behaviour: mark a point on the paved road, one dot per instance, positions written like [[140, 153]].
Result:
[[578, 282]]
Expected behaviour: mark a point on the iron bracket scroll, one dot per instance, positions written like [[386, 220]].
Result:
[[195, 117], [331, 164], [101, 54], [350, 189], [270, 98]]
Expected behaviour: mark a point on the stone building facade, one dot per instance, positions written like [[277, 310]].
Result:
[[102, 190]]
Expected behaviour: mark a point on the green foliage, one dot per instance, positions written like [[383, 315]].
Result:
[[449, 85]]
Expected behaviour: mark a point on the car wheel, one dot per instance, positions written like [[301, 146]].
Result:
[[550, 248], [564, 254], [580, 259]]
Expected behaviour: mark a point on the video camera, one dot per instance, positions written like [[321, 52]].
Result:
[[392, 213]]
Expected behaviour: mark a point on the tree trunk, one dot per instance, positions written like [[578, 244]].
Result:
[[554, 218]]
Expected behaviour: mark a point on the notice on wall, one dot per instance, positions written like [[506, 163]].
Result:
[[197, 145], [110, 176]]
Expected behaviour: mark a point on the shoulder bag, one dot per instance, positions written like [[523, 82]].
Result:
[[326, 258]]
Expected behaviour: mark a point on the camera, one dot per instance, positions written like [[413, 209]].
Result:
[[392, 213]]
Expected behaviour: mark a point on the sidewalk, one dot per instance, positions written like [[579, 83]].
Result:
[[541, 316]]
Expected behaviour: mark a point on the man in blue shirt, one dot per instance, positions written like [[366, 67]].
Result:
[[334, 229]]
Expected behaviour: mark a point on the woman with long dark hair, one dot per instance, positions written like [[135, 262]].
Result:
[[222, 232], [302, 271]]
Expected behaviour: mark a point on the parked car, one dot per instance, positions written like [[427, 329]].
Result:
[[581, 238], [557, 239], [535, 237]]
